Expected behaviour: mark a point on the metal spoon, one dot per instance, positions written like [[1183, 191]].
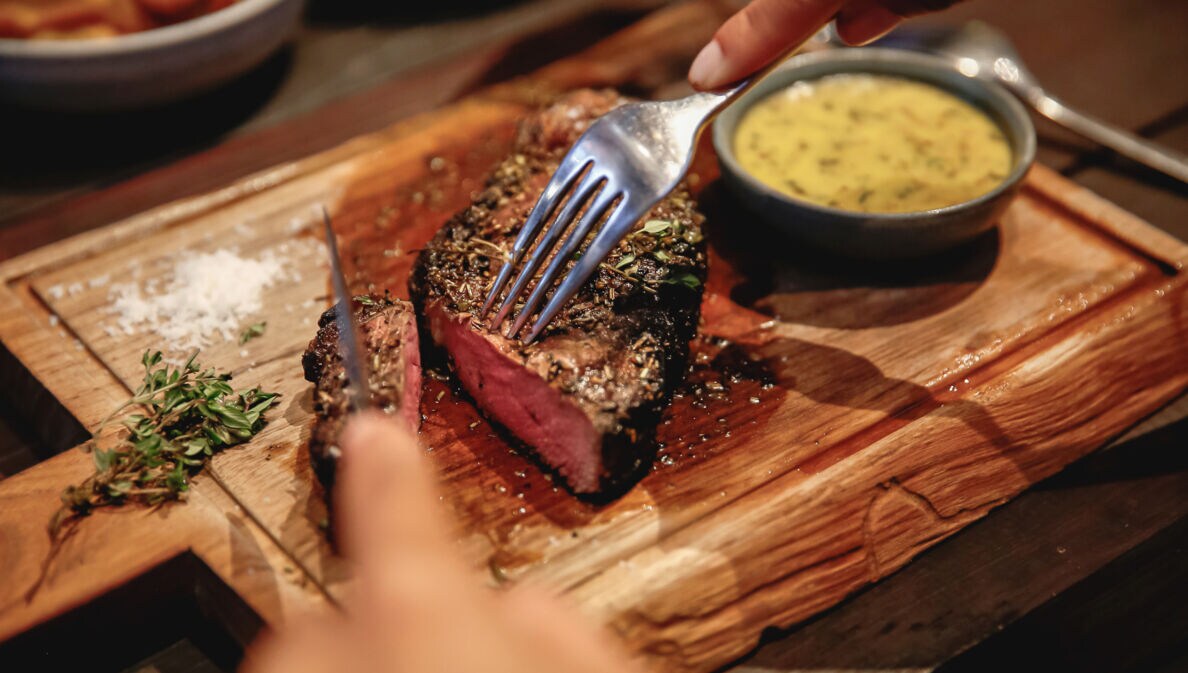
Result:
[[978, 50]]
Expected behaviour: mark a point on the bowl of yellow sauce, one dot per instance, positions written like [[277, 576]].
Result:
[[875, 153]]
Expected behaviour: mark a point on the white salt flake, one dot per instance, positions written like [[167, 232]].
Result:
[[53, 321], [56, 291], [74, 288], [99, 281], [206, 296]]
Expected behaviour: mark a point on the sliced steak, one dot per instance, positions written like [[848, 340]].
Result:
[[388, 331], [588, 393]]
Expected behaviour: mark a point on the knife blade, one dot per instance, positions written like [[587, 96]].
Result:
[[349, 347]]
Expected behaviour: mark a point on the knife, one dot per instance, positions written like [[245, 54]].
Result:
[[349, 347]]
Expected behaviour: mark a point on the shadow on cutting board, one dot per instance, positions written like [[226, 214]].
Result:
[[806, 285], [177, 617]]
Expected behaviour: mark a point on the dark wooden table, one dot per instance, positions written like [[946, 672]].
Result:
[[1086, 572]]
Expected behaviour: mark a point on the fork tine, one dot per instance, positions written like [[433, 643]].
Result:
[[578, 196], [597, 209], [619, 222], [571, 167]]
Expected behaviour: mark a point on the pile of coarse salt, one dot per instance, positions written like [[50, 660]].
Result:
[[207, 295]]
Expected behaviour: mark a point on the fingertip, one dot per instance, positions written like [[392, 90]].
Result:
[[366, 428], [705, 73], [385, 498], [378, 454], [374, 441]]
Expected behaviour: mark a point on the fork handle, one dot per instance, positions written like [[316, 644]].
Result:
[[1127, 144]]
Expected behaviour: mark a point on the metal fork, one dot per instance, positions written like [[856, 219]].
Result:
[[621, 167]]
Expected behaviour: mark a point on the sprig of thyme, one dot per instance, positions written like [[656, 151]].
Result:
[[175, 421]]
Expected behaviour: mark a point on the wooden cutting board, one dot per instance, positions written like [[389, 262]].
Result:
[[868, 412]]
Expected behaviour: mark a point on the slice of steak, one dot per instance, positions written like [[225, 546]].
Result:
[[388, 331], [587, 395]]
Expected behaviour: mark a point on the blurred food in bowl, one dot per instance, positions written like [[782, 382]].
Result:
[[873, 144], [88, 19], [152, 51]]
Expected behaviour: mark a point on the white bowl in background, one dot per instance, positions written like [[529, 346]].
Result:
[[149, 67]]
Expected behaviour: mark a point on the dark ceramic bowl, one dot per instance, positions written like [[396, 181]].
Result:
[[146, 68], [880, 235]]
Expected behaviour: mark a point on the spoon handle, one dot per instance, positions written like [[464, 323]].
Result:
[[1123, 142]]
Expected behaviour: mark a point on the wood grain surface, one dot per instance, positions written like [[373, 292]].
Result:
[[114, 546], [874, 412]]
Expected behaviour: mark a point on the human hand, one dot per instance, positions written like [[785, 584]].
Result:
[[765, 29], [417, 608]]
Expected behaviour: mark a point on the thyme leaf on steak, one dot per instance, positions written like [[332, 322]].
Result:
[[175, 421], [655, 227], [628, 276], [664, 241], [684, 278]]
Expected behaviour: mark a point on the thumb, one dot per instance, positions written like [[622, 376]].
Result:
[[756, 36], [386, 506], [863, 21]]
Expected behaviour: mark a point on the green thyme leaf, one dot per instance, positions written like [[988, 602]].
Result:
[[365, 300], [102, 459], [251, 332], [683, 278], [119, 489], [625, 260], [661, 255], [655, 227]]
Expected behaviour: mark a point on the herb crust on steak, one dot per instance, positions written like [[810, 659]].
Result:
[[387, 329], [587, 394]]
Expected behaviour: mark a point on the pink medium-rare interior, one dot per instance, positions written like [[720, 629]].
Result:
[[410, 403], [522, 402]]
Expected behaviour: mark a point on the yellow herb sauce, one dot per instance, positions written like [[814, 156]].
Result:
[[872, 143]]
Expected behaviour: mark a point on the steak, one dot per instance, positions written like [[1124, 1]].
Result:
[[388, 332], [588, 393]]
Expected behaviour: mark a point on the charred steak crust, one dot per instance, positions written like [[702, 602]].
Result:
[[388, 332], [620, 346]]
